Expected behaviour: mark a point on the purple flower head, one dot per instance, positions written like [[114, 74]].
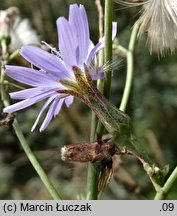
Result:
[[75, 49]]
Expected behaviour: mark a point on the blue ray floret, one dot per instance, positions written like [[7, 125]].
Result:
[[75, 49]]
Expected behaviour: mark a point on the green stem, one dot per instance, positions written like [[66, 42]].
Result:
[[92, 177], [93, 170], [4, 56], [163, 192], [129, 76], [53, 192], [94, 121], [108, 45], [19, 133], [105, 86]]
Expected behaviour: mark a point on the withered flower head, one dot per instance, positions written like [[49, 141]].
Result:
[[17, 29], [101, 151], [88, 152]]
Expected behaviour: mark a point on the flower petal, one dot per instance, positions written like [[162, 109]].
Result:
[[49, 115], [69, 100], [29, 76], [24, 94], [114, 30], [42, 110], [58, 106], [26, 103], [44, 60], [32, 92], [91, 46], [94, 51], [68, 43], [101, 44], [79, 24], [97, 76]]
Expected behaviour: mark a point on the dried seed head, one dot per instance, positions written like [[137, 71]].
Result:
[[131, 3], [159, 21]]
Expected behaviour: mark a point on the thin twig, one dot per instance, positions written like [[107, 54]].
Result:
[[129, 76], [100, 17], [149, 170], [164, 191]]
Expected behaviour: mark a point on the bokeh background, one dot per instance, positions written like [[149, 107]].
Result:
[[152, 106]]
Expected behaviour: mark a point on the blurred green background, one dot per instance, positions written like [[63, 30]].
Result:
[[152, 106]]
